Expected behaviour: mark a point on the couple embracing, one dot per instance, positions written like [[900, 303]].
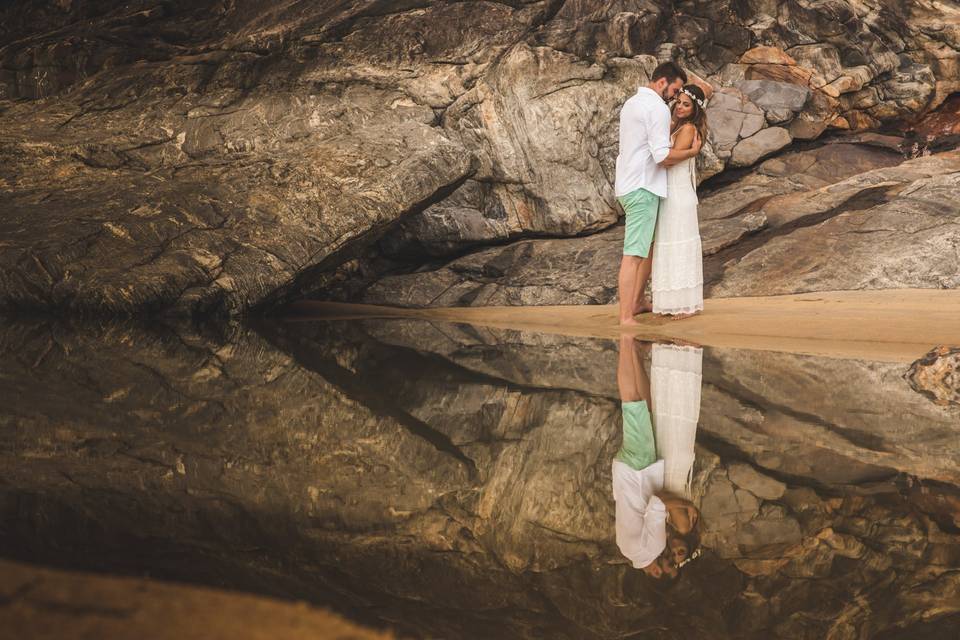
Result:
[[656, 186]]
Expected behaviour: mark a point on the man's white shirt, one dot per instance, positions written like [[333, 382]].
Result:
[[641, 517], [644, 143]]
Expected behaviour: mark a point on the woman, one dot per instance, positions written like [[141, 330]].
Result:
[[677, 279], [675, 383]]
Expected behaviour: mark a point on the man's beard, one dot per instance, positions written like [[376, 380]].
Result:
[[663, 95]]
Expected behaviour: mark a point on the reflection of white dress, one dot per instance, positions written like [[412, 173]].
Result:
[[675, 379], [677, 275]]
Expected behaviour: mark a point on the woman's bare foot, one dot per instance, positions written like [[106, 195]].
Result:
[[644, 307], [628, 322], [683, 316]]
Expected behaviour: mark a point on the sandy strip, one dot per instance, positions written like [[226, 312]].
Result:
[[41, 604], [896, 325]]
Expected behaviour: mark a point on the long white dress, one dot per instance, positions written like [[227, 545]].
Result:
[[677, 278], [675, 381]]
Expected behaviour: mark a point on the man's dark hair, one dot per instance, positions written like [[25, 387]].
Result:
[[669, 70]]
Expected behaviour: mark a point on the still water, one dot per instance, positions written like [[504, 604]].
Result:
[[452, 481]]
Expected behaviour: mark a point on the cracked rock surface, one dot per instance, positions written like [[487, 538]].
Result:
[[828, 218], [194, 157]]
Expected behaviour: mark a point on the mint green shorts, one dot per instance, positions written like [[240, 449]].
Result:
[[641, 208], [639, 449]]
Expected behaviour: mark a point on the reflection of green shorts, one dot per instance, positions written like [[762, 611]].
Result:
[[639, 449], [641, 208]]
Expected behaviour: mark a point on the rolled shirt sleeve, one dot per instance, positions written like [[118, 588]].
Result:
[[659, 137]]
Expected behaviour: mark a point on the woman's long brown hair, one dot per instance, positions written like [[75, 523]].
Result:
[[698, 117]]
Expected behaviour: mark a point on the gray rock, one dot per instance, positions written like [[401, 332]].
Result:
[[206, 236], [529, 272], [865, 219], [731, 116], [751, 149], [720, 234], [583, 271], [768, 538], [746, 477], [779, 116], [470, 216], [769, 94]]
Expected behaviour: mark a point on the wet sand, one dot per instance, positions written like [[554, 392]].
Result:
[[897, 325], [42, 603]]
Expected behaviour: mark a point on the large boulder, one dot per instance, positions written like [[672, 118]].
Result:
[[770, 95], [850, 235], [760, 145], [107, 236]]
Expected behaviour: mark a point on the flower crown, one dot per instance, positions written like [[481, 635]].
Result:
[[694, 98], [693, 556]]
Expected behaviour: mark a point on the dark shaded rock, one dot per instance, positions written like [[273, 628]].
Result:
[[204, 237], [746, 477], [529, 272]]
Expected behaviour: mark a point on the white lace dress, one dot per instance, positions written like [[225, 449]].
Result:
[[675, 381], [677, 278]]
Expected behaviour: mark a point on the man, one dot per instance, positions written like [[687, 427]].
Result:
[[645, 153]]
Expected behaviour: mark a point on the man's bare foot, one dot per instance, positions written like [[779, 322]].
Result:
[[645, 307], [628, 322]]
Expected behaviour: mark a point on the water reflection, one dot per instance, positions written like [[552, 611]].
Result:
[[657, 526], [455, 481]]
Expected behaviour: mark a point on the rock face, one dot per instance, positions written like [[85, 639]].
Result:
[[783, 198], [851, 235], [190, 157], [529, 272], [759, 146]]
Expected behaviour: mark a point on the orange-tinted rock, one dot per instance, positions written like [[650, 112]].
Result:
[[860, 121], [840, 123], [779, 72], [945, 121], [766, 55]]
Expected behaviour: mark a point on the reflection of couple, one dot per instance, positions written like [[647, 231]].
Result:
[[656, 186], [656, 524]]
